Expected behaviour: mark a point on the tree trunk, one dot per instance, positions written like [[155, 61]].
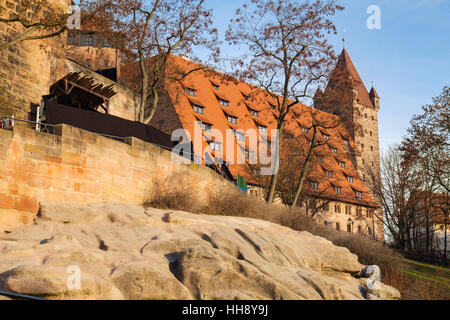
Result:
[[144, 73], [274, 179], [304, 169]]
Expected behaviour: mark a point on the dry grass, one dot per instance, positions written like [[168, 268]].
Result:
[[236, 203]]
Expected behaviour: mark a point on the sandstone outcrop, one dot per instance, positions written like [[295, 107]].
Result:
[[128, 252]]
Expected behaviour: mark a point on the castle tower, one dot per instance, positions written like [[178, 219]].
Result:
[[347, 97]]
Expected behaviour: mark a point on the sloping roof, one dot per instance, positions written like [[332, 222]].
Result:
[[261, 101], [345, 63], [373, 93]]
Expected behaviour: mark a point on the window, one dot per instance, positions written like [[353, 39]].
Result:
[[359, 229], [338, 226], [326, 207], [314, 185], [371, 133], [370, 231], [358, 194], [232, 120], [373, 118], [247, 154], [305, 130], [224, 103], [326, 137], [362, 146], [215, 146], [359, 212], [347, 142], [89, 40], [342, 164], [329, 174], [239, 135], [190, 92], [320, 158], [350, 179], [198, 109], [365, 115], [70, 39], [371, 148], [245, 96], [338, 190], [334, 150], [348, 210], [205, 126], [337, 208], [253, 112], [215, 86], [325, 223], [349, 228], [262, 129]]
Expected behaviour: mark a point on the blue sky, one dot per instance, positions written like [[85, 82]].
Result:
[[408, 58]]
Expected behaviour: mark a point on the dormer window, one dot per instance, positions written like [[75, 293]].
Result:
[[215, 86], [205, 126], [198, 109], [329, 174], [334, 150], [347, 142], [253, 112], [338, 190], [262, 129], [305, 130], [224, 103], [320, 158], [239, 135], [215, 146], [326, 137], [350, 179], [190, 92], [232, 120], [358, 194], [245, 96], [342, 164], [314, 185]]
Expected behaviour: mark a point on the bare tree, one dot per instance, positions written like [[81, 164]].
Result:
[[289, 52], [34, 20], [151, 32]]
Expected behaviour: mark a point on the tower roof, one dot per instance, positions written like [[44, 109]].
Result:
[[373, 93], [346, 64]]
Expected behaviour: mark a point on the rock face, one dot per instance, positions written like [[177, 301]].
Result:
[[109, 251]]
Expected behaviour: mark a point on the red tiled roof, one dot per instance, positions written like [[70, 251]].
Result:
[[261, 101], [345, 63]]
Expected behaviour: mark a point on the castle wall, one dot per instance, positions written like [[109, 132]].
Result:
[[28, 68], [77, 166]]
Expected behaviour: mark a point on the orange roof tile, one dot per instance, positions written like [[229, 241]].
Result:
[[260, 101]]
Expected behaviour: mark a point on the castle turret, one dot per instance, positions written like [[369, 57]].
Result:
[[374, 98]]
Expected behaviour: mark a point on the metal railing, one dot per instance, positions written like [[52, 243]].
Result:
[[19, 296]]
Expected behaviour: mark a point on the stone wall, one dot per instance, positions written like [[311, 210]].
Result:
[[77, 166], [28, 68]]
